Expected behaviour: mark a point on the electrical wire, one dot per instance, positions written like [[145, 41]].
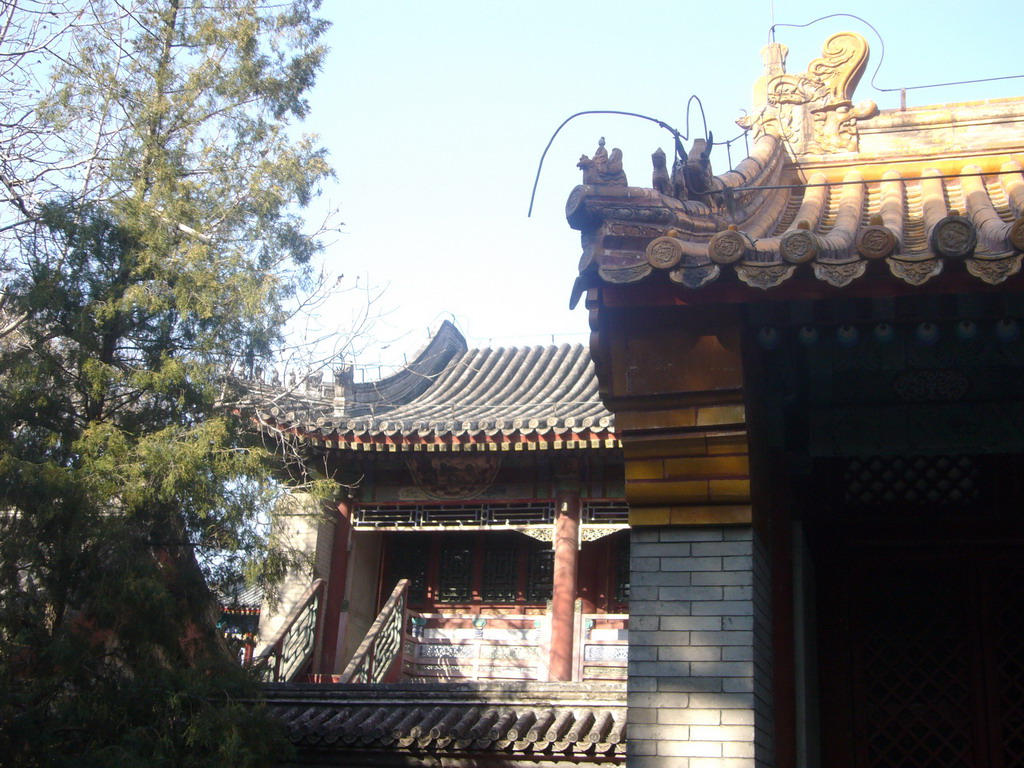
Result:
[[540, 166], [881, 56], [679, 137], [845, 182]]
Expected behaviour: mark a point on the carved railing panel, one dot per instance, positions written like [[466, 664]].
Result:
[[293, 645], [602, 646], [299, 640], [474, 646], [381, 649]]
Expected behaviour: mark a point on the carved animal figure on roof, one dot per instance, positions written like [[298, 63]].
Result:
[[593, 167], [835, 126], [679, 186], [614, 174], [697, 170], [602, 168], [660, 179]]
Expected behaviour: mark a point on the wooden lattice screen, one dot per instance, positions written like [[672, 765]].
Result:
[[938, 663], [916, 481]]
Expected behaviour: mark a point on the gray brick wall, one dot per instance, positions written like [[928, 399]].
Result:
[[304, 528], [699, 658]]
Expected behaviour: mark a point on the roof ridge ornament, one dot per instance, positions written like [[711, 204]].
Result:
[[812, 112], [603, 168]]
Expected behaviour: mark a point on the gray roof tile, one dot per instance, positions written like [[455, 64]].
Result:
[[487, 393], [578, 723], [918, 199]]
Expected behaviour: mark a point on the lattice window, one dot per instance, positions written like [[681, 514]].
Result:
[[912, 481], [934, 640], [540, 571], [1008, 663], [409, 553], [500, 566], [456, 570], [916, 689]]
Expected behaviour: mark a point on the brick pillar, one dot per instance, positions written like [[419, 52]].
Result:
[[563, 594], [699, 690], [698, 649]]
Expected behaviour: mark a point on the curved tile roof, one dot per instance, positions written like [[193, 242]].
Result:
[[546, 722], [240, 596], [831, 191], [507, 397]]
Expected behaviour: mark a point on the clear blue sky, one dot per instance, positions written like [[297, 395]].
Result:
[[436, 115]]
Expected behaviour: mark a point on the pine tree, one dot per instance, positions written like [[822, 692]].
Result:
[[152, 242]]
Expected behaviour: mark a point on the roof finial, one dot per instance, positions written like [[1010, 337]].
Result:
[[812, 112]]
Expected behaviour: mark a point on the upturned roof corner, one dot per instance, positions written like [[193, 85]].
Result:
[[832, 192]]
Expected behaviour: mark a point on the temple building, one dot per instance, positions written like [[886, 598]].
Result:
[[814, 362], [240, 608], [805, 400], [470, 592]]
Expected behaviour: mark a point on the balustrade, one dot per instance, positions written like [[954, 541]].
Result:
[[378, 658], [292, 647]]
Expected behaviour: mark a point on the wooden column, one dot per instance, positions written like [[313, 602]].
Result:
[[563, 595], [334, 596]]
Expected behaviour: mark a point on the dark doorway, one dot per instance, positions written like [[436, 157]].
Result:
[[921, 651]]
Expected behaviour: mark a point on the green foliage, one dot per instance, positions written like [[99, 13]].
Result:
[[133, 286]]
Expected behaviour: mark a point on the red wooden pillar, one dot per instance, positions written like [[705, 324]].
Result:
[[563, 595], [334, 597]]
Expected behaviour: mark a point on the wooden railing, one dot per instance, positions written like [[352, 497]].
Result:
[[292, 647], [379, 657], [602, 646]]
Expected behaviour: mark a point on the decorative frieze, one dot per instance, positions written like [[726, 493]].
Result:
[[996, 270], [497, 635], [764, 276], [595, 532], [840, 275], [540, 534], [441, 476], [445, 651], [915, 271], [510, 652], [606, 653]]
